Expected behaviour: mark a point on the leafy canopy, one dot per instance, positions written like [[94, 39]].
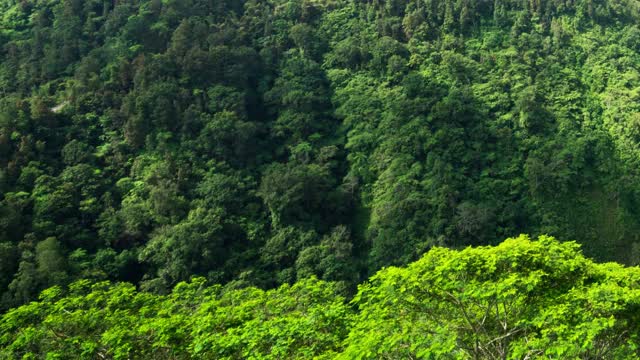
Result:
[[521, 299]]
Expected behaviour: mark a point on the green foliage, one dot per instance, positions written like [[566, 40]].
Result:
[[258, 143], [521, 299], [115, 321], [535, 299]]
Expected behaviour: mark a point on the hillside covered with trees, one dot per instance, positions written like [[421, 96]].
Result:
[[260, 143]]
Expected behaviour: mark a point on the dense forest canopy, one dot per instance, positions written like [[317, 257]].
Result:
[[260, 143]]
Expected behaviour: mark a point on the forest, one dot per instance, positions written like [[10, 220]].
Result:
[[259, 161]]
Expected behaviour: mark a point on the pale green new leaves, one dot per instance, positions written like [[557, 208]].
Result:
[[522, 299]]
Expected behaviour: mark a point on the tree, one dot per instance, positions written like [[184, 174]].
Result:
[[297, 194], [50, 262], [26, 281], [300, 95], [520, 299], [331, 260], [76, 152], [9, 257], [197, 245], [305, 38]]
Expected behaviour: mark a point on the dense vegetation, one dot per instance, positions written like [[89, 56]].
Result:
[[520, 300], [259, 143]]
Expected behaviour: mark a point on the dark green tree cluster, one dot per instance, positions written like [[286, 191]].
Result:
[[263, 142], [522, 299]]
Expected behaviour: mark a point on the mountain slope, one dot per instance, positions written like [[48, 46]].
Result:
[[263, 142]]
